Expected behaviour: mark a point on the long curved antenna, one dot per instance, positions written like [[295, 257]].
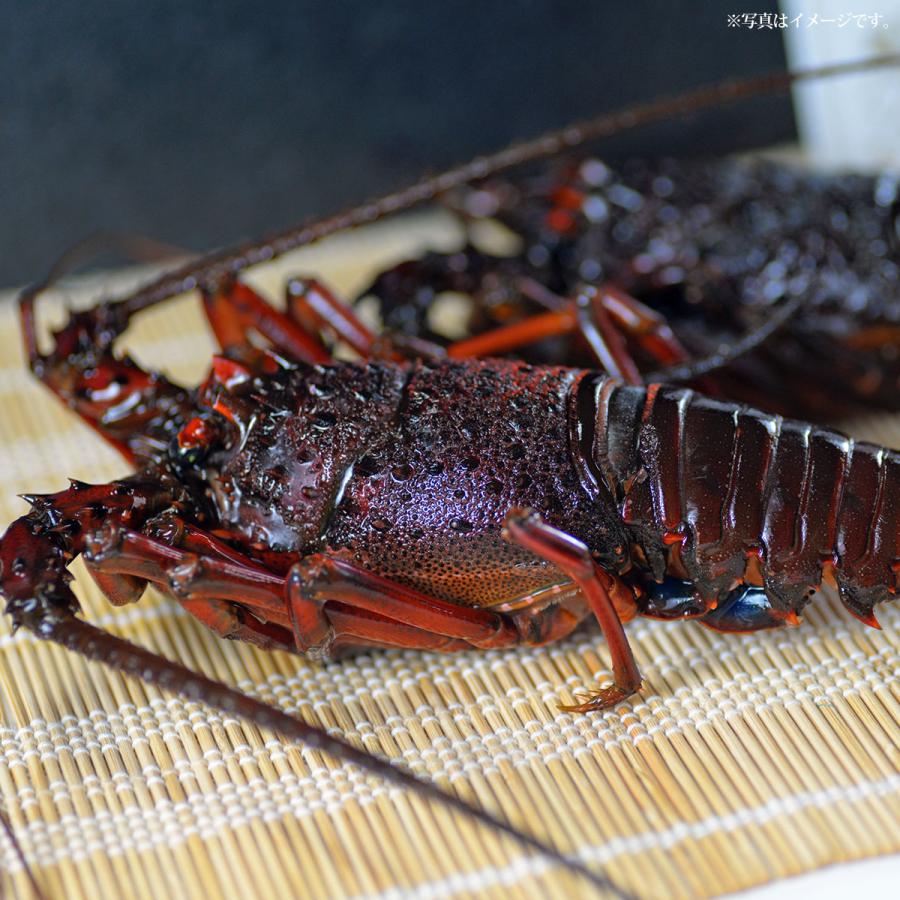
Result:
[[213, 268], [20, 853], [706, 365], [123, 656]]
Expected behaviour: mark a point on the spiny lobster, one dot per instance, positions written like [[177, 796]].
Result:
[[306, 505], [787, 281]]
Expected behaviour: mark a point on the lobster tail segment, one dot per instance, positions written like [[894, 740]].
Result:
[[867, 554], [736, 516]]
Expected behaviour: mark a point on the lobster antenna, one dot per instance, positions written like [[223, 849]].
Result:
[[719, 359], [211, 269], [6, 825], [121, 655]]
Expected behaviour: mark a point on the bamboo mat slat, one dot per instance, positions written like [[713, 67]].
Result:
[[745, 758]]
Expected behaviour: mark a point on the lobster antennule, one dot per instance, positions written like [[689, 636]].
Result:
[[137, 247], [111, 393], [121, 655]]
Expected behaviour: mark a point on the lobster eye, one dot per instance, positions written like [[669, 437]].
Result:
[[193, 442], [189, 456]]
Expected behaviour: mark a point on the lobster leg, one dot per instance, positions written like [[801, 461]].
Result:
[[223, 618], [355, 630], [190, 576], [314, 306], [606, 341], [318, 309], [234, 310], [603, 315], [320, 581], [606, 315], [323, 600], [646, 326], [519, 334], [120, 590], [226, 620], [601, 590]]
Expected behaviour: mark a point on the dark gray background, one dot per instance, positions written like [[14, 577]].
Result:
[[204, 123]]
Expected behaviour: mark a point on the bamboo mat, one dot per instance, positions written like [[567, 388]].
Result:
[[745, 758]]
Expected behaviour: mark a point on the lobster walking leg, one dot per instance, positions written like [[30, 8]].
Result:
[[646, 326], [607, 342], [318, 309], [322, 579], [605, 595], [322, 599], [225, 620], [234, 309], [355, 630], [189, 575], [604, 316], [312, 308], [315, 306]]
